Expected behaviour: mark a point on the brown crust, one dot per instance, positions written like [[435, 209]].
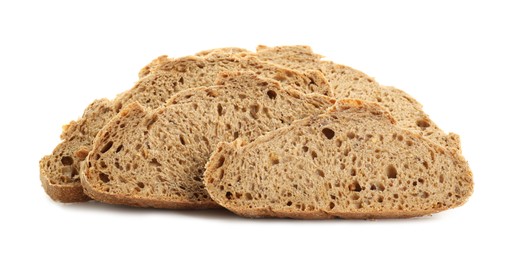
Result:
[[270, 213], [135, 201], [69, 193]]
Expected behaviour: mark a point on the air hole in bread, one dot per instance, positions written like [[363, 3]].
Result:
[[425, 164], [305, 149], [219, 109], [331, 205], [421, 181], [441, 178], [242, 96], [119, 148], [141, 185], [424, 195], [181, 80], [254, 109], [220, 163], [289, 203], [423, 123], [380, 199], [118, 166], [314, 154], [66, 160], [107, 147], [320, 173], [182, 140], [102, 164], [154, 162], [271, 94], [391, 172], [338, 142], [248, 196], [355, 186], [329, 133], [228, 195], [104, 177], [353, 172], [350, 135]]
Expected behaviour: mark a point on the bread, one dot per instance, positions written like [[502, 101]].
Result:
[[221, 52], [58, 171], [347, 82], [156, 158], [352, 162]]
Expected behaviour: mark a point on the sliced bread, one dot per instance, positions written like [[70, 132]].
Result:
[[58, 171], [351, 162], [156, 158], [347, 82], [222, 52]]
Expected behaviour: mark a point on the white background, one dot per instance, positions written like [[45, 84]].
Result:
[[56, 57]]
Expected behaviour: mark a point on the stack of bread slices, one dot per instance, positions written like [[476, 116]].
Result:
[[279, 132]]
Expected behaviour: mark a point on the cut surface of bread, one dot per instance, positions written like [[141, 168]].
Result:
[[351, 162], [156, 158], [347, 82], [58, 171]]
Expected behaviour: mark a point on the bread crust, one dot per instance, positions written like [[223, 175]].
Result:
[[63, 193]]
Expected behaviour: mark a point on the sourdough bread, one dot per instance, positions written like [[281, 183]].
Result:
[[58, 171], [351, 162], [156, 158]]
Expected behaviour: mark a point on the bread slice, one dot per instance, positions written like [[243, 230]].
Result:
[[221, 52], [58, 171], [351, 162], [156, 158], [347, 82]]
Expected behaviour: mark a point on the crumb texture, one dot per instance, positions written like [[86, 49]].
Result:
[[352, 162], [348, 83], [159, 80], [156, 158]]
